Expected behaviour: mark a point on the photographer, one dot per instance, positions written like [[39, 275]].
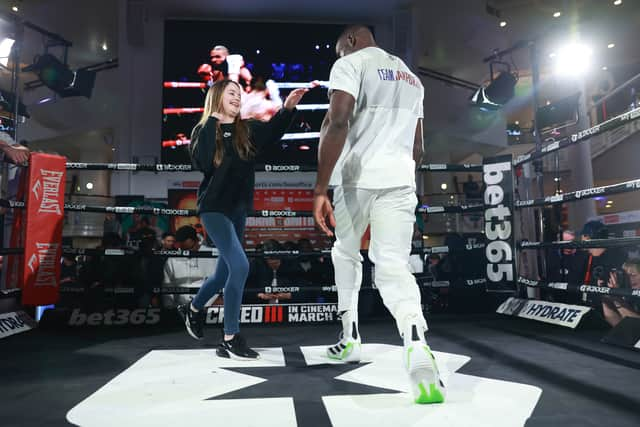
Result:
[[617, 308]]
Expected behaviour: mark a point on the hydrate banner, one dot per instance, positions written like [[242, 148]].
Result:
[[43, 229], [544, 311], [498, 222], [14, 323]]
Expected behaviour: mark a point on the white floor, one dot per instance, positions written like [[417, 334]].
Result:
[[169, 388]]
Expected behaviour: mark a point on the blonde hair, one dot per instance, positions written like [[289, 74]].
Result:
[[213, 104]]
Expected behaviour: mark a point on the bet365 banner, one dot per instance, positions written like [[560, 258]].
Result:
[[44, 198], [500, 252]]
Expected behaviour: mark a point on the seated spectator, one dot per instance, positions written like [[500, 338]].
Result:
[[311, 269], [168, 241], [617, 308], [566, 265], [187, 272], [600, 261], [269, 272]]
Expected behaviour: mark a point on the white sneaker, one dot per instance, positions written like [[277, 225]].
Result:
[[426, 385], [349, 348]]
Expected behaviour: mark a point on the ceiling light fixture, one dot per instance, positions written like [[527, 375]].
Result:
[[503, 24], [557, 14], [611, 45], [5, 50], [617, 2]]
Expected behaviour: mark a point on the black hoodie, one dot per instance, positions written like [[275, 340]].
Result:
[[230, 185]]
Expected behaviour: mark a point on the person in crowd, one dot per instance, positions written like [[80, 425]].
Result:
[[187, 272], [168, 241], [600, 261], [270, 271], [223, 148], [111, 224], [615, 308], [12, 151], [566, 265]]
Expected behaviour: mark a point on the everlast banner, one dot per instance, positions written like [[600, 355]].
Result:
[[44, 199], [498, 215]]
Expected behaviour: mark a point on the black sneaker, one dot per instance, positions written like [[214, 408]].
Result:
[[236, 349], [193, 320]]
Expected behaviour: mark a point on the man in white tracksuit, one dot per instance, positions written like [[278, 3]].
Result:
[[370, 142]]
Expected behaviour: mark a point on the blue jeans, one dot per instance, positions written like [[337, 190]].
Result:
[[232, 268]]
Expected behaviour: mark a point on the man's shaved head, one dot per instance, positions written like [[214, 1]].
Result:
[[354, 38]]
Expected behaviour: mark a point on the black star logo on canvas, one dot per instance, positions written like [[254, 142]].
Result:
[[306, 384]]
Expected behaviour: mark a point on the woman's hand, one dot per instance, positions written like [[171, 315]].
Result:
[[294, 98]]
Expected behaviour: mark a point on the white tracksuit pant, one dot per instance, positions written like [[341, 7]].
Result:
[[391, 213]]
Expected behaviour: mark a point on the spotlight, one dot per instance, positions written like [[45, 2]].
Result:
[[258, 51], [557, 14], [5, 50], [14, 8], [497, 93], [611, 45], [89, 185], [605, 68], [317, 47], [443, 186], [104, 46], [58, 77], [503, 24], [617, 2], [573, 60], [328, 46]]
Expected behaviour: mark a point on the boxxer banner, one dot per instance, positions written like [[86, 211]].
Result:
[[500, 251], [44, 197]]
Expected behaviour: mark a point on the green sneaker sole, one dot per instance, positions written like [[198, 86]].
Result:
[[432, 396], [343, 354]]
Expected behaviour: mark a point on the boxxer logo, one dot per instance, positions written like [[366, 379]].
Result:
[[497, 224]]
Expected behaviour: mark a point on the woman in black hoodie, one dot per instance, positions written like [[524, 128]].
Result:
[[223, 148]]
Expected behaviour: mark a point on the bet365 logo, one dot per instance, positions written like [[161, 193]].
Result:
[[141, 316]]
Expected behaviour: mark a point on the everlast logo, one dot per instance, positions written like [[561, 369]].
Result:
[[50, 185], [585, 133], [44, 262], [497, 224], [595, 289], [281, 168], [589, 192], [170, 168], [278, 213]]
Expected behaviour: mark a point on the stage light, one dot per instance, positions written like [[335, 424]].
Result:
[[617, 2], [573, 60], [557, 14], [605, 68], [104, 46], [497, 93], [258, 51], [317, 47], [89, 185], [5, 50], [58, 77], [443, 186], [14, 8], [304, 147], [611, 45], [503, 24], [328, 46]]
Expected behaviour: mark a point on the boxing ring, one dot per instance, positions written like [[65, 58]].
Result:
[[137, 367]]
